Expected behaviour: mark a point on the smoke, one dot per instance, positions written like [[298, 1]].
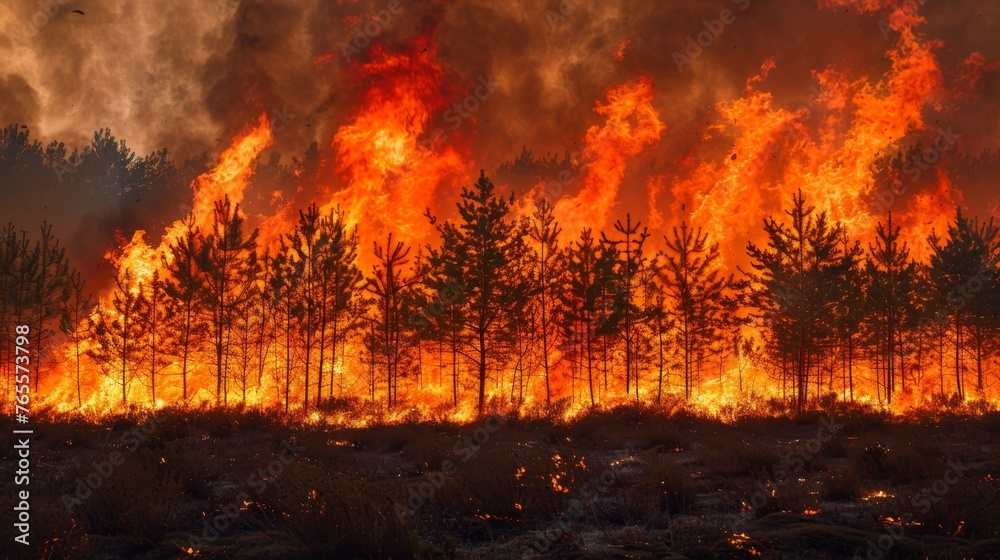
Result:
[[187, 76]]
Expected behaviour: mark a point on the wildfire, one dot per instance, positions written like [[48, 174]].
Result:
[[138, 260], [631, 125], [392, 164], [229, 177], [389, 163], [778, 151]]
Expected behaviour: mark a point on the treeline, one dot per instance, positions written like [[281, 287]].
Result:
[[501, 309], [496, 308]]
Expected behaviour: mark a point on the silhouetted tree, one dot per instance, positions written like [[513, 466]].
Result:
[[120, 333], [339, 282], [230, 269], [281, 298], [795, 283], [496, 288], [892, 278], [48, 290], [390, 285], [626, 314], [544, 233], [76, 324], [446, 298], [185, 286], [961, 267], [582, 307], [696, 294]]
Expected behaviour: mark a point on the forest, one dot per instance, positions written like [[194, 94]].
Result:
[[502, 310]]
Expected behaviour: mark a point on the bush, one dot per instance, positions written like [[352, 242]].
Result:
[[667, 435], [729, 458], [844, 486], [54, 534], [903, 462], [500, 488], [338, 514], [135, 500], [672, 484]]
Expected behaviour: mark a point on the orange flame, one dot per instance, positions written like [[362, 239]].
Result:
[[391, 175], [632, 125]]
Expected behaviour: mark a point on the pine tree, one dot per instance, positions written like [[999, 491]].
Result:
[[161, 336], [121, 334], [496, 287], [77, 325], [795, 283], [230, 268], [580, 296], [892, 278], [444, 280], [390, 285], [696, 297], [18, 269], [626, 313], [544, 232], [49, 289], [185, 288], [339, 285], [960, 268], [281, 298], [305, 261]]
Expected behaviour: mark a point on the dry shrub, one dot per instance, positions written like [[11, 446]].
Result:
[[796, 497], [326, 448], [904, 462], [727, 457], [907, 463], [836, 448], [970, 509], [672, 483], [338, 514], [846, 485], [628, 504], [862, 422], [429, 449], [383, 438], [499, 488], [991, 422], [667, 435], [658, 487], [187, 462], [136, 500]]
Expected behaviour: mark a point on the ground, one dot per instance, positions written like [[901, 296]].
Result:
[[626, 483]]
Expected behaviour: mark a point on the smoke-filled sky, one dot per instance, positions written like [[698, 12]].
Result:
[[188, 75]]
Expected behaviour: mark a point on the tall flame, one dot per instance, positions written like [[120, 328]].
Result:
[[826, 148], [229, 177], [392, 177], [631, 125]]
